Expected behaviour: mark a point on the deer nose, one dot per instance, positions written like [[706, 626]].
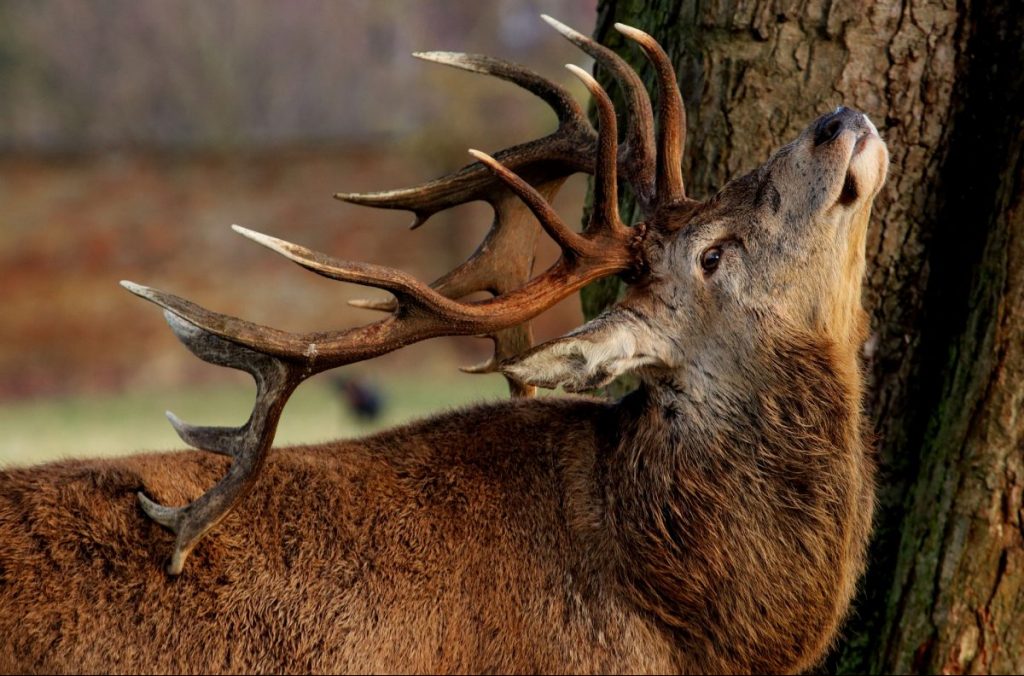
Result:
[[829, 127]]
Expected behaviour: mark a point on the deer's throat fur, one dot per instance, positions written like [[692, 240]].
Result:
[[745, 483]]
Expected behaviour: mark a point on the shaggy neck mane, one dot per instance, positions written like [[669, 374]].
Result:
[[711, 466]]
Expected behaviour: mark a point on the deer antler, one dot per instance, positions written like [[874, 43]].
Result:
[[504, 259], [518, 181]]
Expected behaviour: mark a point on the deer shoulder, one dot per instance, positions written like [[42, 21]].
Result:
[[715, 520]]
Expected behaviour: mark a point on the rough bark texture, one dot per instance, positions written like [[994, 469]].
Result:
[[945, 287]]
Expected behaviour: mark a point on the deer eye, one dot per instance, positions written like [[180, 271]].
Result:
[[710, 258]]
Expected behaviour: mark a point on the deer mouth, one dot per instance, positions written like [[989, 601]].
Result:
[[850, 133], [862, 174], [851, 190], [862, 141]]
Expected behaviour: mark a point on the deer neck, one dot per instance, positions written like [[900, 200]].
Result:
[[704, 448]]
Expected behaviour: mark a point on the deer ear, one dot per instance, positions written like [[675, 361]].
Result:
[[591, 356]]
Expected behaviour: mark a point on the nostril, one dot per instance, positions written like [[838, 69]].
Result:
[[828, 129]]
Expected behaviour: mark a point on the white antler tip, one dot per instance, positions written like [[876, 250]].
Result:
[[439, 57], [259, 238], [584, 76], [632, 33], [139, 290], [487, 366], [557, 25], [380, 305], [577, 71]]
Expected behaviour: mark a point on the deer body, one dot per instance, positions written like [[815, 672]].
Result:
[[559, 536], [713, 521]]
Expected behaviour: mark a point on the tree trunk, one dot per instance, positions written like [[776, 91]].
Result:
[[945, 286]]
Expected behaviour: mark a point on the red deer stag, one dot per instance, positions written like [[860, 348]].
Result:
[[713, 521]]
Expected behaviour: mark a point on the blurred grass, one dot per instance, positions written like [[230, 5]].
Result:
[[94, 426]]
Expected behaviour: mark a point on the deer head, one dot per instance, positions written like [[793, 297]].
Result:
[[700, 273], [780, 249]]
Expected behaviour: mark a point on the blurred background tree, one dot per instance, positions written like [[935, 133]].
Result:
[[117, 73], [944, 82]]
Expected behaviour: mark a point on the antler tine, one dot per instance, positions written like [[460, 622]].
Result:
[[561, 101], [639, 148], [606, 193], [604, 245], [378, 304], [406, 289], [559, 154], [570, 242], [507, 344], [247, 445], [271, 341], [671, 117]]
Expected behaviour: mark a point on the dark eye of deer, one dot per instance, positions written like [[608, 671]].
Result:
[[709, 259]]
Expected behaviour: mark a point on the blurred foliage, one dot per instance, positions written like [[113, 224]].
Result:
[[193, 73]]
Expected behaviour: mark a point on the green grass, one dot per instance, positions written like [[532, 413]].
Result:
[[93, 426]]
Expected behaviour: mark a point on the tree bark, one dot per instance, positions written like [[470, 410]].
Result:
[[943, 81]]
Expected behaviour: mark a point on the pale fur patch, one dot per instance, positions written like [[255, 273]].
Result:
[[589, 357]]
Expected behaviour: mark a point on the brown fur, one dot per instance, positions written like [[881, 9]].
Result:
[[714, 521], [408, 552]]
